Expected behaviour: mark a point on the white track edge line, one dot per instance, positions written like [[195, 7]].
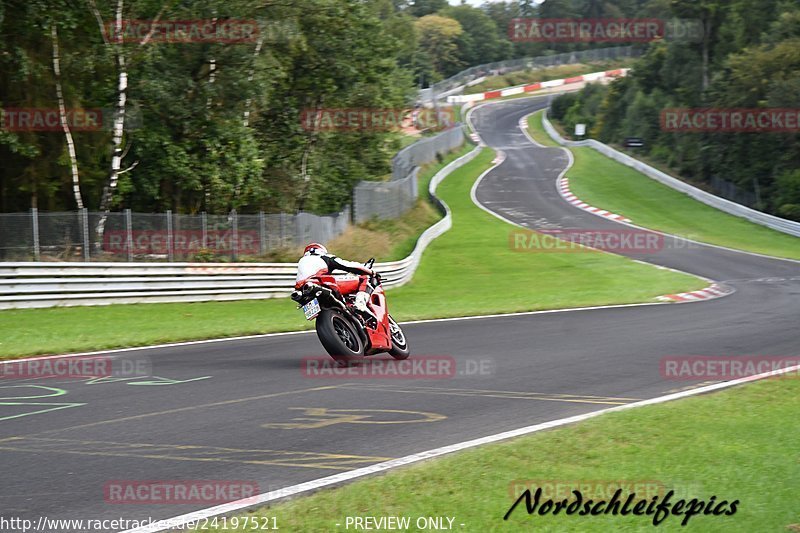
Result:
[[337, 479]]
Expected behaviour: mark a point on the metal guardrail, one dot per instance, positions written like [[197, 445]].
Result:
[[466, 77], [779, 224], [38, 284]]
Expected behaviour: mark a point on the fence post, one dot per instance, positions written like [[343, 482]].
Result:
[[84, 220], [35, 228], [262, 232], [170, 253], [129, 234], [235, 239], [204, 220]]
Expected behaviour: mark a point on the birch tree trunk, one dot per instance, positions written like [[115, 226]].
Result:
[[707, 23], [249, 102], [62, 115], [237, 191], [119, 123]]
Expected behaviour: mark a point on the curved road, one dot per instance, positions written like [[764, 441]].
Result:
[[243, 410]]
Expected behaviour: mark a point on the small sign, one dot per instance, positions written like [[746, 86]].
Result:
[[580, 130], [634, 142]]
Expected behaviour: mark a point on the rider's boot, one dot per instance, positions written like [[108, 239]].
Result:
[[361, 305]]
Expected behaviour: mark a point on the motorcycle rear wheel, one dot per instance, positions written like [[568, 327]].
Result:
[[339, 337]]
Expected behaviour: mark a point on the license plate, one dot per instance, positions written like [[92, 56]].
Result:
[[311, 309]]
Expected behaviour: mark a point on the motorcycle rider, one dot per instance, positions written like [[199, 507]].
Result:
[[317, 261]]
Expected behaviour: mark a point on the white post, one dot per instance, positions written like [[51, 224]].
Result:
[[35, 227], [235, 239], [262, 232], [170, 254], [129, 234], [84, 221], [204, 221]]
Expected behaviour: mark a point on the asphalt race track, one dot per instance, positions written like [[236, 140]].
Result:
[[243, 410]]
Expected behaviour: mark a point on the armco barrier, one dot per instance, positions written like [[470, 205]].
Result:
[[732, 208], [532, 87], [472, 75], [37, 284]]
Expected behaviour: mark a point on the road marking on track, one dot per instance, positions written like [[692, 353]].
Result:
[[47, 407], [184, 452], [320, 417], [505, 395], [15, 404], [188, 408]]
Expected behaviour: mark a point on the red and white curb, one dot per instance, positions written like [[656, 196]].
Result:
[[499, 157], [563, 190], [533, 87], [715, 290]]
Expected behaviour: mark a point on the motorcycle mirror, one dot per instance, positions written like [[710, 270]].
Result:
[[370, 262]]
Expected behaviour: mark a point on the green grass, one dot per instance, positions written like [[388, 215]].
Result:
[[537, 131], [469, 270], [739, 444], [604, 183]]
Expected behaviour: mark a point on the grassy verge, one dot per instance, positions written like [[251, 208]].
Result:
[[731, 445], [604, 183], [493, 83], [469, 270], [536, 130]]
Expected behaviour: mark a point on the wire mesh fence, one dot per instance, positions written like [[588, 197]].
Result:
[[426, 150], [384, 199], [390, 199], [126, 236]]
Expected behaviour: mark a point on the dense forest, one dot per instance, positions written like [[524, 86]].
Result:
[[213, 125], [749, 58]]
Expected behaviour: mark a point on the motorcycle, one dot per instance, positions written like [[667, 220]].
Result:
[[347, 334]]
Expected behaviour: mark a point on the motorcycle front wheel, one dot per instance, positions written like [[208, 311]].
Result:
[[339, 337], [399, 342]]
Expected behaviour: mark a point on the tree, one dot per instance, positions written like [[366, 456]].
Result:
[[710, 13], [480, 42], [438, 39], [421, 8]]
